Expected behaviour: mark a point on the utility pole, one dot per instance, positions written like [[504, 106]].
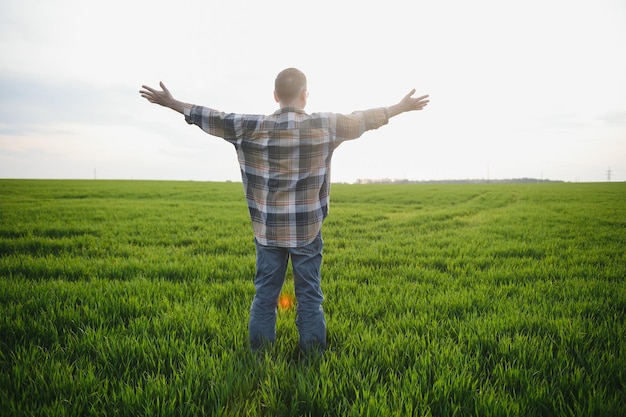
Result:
[[608, 175]]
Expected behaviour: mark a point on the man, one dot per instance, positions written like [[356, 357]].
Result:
[[285, 168]]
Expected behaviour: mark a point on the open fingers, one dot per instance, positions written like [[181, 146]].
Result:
[[420, 102], [147, 92], [153, 95], [421, 99]]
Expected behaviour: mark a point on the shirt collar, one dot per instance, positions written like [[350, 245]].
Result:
[[289, 109]]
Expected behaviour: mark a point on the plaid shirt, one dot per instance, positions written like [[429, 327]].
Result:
[[285, 164]]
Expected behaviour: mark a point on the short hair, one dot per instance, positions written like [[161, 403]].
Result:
[[289, 83]]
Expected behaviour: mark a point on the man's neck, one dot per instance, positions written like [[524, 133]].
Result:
[[296, 104]]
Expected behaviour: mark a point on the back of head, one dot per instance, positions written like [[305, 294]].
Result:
[[289, 84]]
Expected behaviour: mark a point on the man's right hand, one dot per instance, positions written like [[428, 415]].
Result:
[[163, 98]]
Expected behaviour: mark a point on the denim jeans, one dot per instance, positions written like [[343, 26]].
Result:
[[271, 268]]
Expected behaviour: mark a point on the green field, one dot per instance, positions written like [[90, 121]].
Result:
[[131, 298]]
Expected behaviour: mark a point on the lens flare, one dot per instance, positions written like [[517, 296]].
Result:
[[286, 302]]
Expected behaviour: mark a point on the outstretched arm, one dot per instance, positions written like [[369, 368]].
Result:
[[352, 126], [163, 98], [408, 103]]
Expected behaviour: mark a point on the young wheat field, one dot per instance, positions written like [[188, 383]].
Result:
[[131, 298]]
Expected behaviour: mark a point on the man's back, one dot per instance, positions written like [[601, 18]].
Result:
[[285, 164]]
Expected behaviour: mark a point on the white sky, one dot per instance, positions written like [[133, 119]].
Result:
[[533, 88]]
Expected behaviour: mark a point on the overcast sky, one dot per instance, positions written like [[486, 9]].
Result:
[[533, 88]]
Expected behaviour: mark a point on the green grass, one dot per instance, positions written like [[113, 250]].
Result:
[[132, 298]]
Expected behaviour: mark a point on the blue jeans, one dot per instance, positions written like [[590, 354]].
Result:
[[271, 268]]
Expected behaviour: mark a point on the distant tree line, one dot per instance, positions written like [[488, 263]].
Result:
[[465, 181]]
